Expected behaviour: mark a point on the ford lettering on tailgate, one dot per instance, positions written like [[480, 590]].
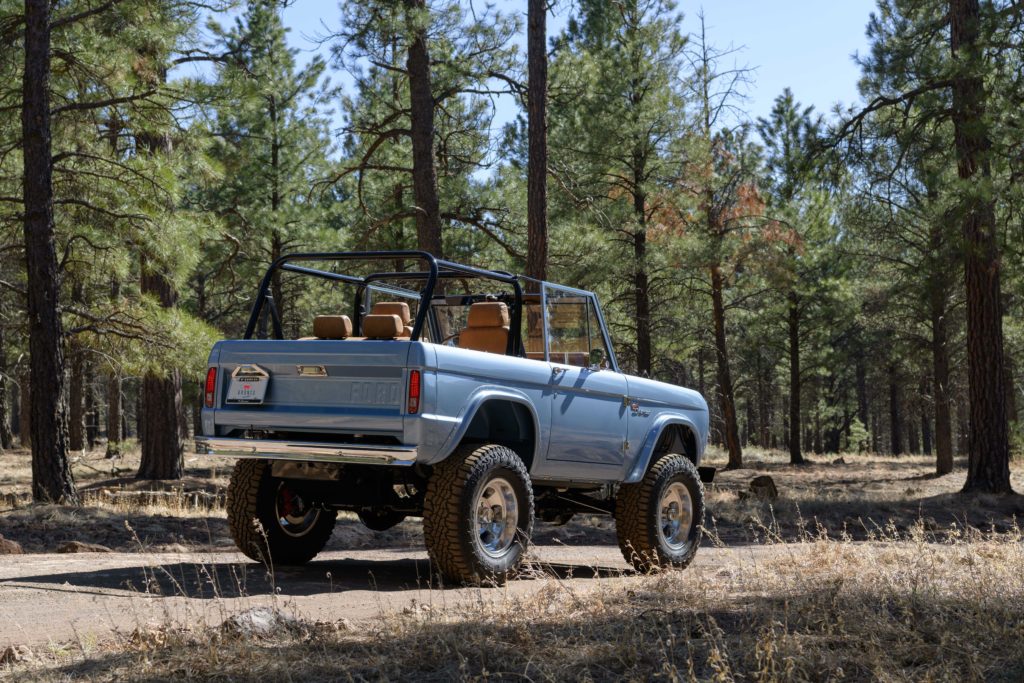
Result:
[[374, 393]]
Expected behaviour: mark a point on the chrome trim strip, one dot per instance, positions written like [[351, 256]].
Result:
[[306, 451]]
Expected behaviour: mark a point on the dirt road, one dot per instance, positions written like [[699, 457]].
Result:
[[50, 599]]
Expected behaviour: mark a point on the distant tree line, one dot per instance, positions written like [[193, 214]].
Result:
[[831, 282]]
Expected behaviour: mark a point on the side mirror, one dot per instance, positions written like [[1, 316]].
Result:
[[596, 360]]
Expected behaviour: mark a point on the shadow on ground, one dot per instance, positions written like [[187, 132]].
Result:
[[217, 580]]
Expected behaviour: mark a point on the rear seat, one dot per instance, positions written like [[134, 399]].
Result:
[[486, 328], [399, 308], [331, 327], [378, 326]]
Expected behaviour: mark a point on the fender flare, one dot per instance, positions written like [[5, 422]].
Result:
[[643, 458], [473, 404]]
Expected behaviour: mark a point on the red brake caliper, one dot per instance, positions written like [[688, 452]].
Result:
[[289, 502]]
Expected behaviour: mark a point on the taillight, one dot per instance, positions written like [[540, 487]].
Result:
[[211, 386], [414, 392]]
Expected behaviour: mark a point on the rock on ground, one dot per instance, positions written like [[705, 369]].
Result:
[[9, 547], [764, 488], [259, 622]]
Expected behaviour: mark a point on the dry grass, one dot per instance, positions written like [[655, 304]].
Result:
[[862, 497], [896, 577], [905, 610]]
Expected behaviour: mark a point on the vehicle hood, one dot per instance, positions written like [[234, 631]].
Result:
[[666, 394]]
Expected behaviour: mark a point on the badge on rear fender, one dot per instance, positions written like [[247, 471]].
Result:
[[248, 385]]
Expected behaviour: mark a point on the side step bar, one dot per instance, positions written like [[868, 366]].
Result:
[[306, 451]]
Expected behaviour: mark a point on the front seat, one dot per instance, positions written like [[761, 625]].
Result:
[[486, 328]]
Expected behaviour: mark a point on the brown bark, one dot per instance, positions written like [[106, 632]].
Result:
[[6, 435], [988, 468], [641, 280], [76, 398], [537, 94], [160, 417], [114, 418], [726, 396], [91, 410], [25, 411], [926, 423], [421, 102], [160, 436], [52, 480], [795, 454], [940, 383]]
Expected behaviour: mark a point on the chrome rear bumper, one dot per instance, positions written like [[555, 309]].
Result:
[[306, 451]]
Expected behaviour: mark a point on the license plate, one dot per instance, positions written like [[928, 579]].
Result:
[[248, 385]]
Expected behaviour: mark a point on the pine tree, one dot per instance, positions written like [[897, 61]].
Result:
[[273, 148]]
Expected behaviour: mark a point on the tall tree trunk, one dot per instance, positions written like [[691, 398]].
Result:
[[536, 102], [641, 280], [913, 435], [421, 102], [114, 415], [91, 409], [160, 405], [725, 389], [895, 413], [1011, 392], [6, 435], [940, 383], [76, 398], [52, 480], [876, 431], [926, 421], [115, 412], [988, 468], [276, 243], [796, 456], [25, 411]]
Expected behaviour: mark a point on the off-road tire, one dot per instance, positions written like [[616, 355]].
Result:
[[252, 496], [636, 516], [450, 522], [380, 520]]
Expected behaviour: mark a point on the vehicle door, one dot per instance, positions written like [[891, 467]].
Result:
[[589, 414]]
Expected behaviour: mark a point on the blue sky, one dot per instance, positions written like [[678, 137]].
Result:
[[807, 45]]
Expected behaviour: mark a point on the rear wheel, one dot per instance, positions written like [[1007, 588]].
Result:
[[478, 515], [659, 519], [272, 522]]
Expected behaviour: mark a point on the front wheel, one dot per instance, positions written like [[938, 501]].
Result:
[[659, 519], [478, 515], [272, 522]]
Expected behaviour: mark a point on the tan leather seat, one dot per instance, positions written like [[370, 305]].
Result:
[[332, 327], [382, 326], [399, 308], [486, 328]]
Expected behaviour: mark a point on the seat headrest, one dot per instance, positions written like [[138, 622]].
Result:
[[399, 308], [382, 326], [488, 314], [332, 327]]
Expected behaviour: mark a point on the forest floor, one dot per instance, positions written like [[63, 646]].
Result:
[[870, 567]]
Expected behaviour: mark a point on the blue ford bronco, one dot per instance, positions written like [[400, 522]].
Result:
[[475, 399]]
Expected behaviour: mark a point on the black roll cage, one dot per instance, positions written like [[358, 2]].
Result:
[[438, 269]]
